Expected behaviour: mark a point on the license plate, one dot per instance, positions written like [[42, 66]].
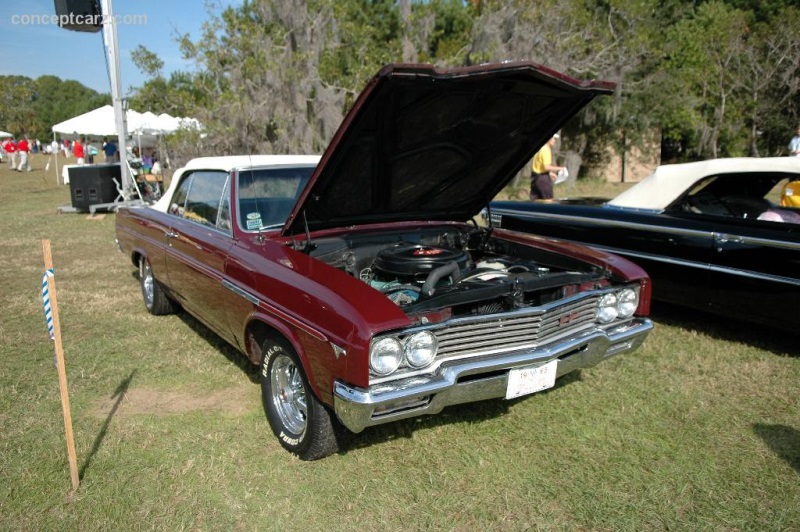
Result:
[[531, 379]]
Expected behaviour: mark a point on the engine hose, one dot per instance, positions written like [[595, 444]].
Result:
[[450, 269]]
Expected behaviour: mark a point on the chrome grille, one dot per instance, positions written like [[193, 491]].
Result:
[[517, 330]]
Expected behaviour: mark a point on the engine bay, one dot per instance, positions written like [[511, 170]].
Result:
[[459, 271]]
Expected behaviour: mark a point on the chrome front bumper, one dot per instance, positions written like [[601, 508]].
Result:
[[475, 379]]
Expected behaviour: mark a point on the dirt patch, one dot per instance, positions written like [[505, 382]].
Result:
[[141, 401]]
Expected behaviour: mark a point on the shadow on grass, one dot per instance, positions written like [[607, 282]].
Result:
[[214, 340], [119, 393], [772, 340], [784, 441], [468, 413]]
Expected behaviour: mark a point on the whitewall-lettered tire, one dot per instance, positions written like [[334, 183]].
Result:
[[302, 424]]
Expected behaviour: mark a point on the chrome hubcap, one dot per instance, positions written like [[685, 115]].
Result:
[[288, 394], [147, 281]]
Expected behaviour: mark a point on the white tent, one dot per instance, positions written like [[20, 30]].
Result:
[[99, 122], [4, 134], [167, 122], [145, 124], [163, 124]]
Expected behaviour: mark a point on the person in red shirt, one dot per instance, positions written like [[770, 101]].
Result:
[[10, 148], [77, 150], [24, 149]]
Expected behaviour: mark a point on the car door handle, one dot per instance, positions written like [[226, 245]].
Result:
[[170, 234]]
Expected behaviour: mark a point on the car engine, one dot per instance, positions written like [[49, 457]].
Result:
[[461, 273], [406, 272]]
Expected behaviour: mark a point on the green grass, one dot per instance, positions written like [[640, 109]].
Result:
[[698, 430]]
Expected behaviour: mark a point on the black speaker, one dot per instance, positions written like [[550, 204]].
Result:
[[92, 185], [79, 15]]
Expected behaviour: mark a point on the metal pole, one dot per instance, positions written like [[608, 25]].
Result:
[[112, 48], [56, 155]]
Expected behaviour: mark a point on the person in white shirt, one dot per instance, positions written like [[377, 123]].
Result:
[[794, 144]]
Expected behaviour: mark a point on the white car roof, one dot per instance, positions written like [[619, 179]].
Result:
[[667, 182], [226, 164]]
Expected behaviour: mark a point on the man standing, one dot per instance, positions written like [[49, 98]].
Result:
[[11, 149], [794, 144], [110, 149], [23, 148], [77, 151], [544, 171]]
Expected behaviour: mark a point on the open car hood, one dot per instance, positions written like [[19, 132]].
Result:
[[422, 143]]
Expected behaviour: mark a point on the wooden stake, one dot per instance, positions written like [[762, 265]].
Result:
[[62, 370]]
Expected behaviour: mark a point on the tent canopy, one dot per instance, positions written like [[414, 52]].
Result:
[[101, 122], [5, 134], [98, 122]]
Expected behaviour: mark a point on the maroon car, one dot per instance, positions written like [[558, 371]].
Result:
[[357, 281]]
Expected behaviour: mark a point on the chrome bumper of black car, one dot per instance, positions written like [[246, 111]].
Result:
[[477, 379]]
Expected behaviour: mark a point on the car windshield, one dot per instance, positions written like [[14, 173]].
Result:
[[267, 195], [753, 196]]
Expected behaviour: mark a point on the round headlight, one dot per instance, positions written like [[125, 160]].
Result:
[[627, 302], [607, 308], [420, 349], [385, 356]]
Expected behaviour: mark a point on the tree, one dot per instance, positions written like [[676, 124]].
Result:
[[32, 107], [614, 40]]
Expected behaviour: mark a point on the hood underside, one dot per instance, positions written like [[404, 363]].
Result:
[[422, 143]]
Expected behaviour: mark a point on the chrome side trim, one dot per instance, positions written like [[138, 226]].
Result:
[[731, 237], [239, 292], [756, 275], [611, 223], [274, 311], [703, 266]]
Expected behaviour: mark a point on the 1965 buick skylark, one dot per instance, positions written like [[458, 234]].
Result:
[[354, 281]]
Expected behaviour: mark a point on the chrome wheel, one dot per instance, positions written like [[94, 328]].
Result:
[[155, 300], [289, 394], [146, 275]]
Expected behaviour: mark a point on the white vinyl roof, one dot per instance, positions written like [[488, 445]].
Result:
[[226, 164], [658, 190]]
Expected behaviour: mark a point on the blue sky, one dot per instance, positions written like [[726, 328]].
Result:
[[34, 50]]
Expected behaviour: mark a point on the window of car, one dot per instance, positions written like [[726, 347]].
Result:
[[266, 195], [202, 197]]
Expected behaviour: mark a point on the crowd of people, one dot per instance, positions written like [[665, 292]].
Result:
[[18, 153]]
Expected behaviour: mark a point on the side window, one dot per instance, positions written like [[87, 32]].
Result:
[[205, 196], [178, 205]]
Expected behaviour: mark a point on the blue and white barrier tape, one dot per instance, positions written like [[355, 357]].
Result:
[[48, 311]]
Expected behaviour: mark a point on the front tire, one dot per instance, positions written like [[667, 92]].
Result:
[[302, 424], [155, 300]]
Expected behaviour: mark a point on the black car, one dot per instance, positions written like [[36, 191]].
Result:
[[706, 232]]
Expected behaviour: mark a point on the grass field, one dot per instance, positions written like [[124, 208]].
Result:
[[698, 430]]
